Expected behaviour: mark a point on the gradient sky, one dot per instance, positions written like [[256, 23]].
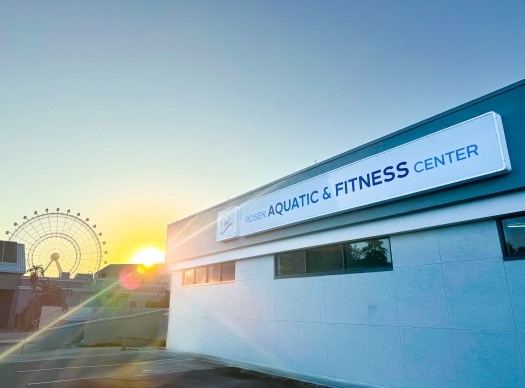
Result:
[[139, 113]]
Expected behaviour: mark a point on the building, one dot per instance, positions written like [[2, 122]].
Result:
[[73, 292], [398, 263], [115, 290], [128, 286], [12, 267]]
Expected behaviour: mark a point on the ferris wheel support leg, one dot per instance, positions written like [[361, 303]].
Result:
[[59, 269], [47, 266]]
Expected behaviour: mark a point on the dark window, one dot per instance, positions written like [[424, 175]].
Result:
[[133, 304], [201, 275], [228, 271], [514, 237], [359, 256], [291, 263], [325, 259], [214, 273], [8, 251], [368, 254]]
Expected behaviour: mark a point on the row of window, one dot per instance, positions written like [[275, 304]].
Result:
[[215, 273], [360, 256]]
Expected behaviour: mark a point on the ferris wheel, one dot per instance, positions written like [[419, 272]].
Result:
[[60, 242]]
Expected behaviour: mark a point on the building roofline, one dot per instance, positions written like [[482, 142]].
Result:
[[363, 146]]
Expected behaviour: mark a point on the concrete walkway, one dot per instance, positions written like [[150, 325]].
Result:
[[13, 335], [8, 336], [16, 342]]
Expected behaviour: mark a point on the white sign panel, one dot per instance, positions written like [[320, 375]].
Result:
[[471, 150], [227, 224]]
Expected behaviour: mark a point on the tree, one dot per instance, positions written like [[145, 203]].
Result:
[[34, 271], [375, 252], [51, 294], [353, 253], [515, 251], [29, 314], [48, 294]]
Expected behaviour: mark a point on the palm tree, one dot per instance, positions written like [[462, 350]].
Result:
[[35, 270]]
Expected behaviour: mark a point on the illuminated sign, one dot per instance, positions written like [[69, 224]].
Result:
[[474, 149]]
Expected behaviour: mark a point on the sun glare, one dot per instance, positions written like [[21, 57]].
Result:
[[148, 257]]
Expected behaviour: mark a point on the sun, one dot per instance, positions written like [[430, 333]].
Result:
[[148, 257]]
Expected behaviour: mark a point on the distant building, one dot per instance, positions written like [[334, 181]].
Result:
[[132, 288], [12, 267], [129, 286], [74, 292]]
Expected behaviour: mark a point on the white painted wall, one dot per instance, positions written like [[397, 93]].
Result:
[[451, 313]]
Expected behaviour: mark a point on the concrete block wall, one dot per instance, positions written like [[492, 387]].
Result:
[[450, 314], [144, 329], [459, 307]]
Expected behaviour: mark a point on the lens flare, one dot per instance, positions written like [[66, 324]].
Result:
[[126, 278]]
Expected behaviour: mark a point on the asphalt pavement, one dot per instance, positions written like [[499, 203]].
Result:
[[133, 367]]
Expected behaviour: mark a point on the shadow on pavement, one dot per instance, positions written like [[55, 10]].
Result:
[[218, 377]]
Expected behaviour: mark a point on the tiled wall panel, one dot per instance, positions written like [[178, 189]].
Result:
[[421, 298], [362, 298], [428, 357]]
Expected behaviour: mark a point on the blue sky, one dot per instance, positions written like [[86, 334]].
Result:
[[138, 113]]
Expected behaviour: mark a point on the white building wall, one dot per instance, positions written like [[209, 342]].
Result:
[[457, 322], [451, 313]]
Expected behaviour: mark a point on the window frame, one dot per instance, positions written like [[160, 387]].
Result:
[[502, 238]]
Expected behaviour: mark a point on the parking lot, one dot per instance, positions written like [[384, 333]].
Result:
[[133, 367]]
